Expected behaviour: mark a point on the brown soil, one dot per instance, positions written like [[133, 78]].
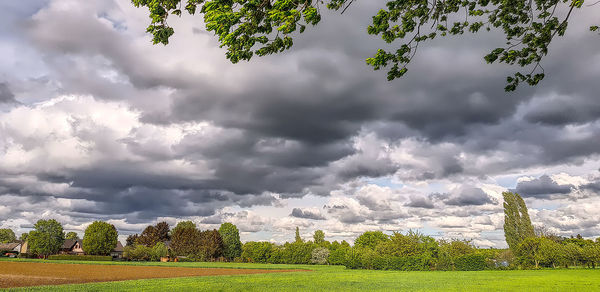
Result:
[[21, 274]]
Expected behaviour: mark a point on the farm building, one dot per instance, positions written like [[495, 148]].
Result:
[[71, 246], [10, 249], [117, 252]]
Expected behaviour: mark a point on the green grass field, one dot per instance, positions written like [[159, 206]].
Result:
[[336, 278]]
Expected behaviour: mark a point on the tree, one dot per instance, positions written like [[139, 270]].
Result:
[[154, 234], [185, 239], [231, 241], [370, 239], [100, 238], [319, 237], [149, 237], [7, 235], [249, 28], [46, 238], [163, 231], [72, 235], [257, 252], [184, 224], [24, 236], [298, 238], [517, 224], [131, 240], [211, 244]]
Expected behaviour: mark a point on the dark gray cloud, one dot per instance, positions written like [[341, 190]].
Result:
[[310, 121], [544, 186], [468, 196], [306, 214], [420, 202], [6, 96]]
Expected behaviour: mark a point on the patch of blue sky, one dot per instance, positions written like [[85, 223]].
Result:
[[384, 181]]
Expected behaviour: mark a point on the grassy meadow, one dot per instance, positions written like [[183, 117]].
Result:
[[337, 278]]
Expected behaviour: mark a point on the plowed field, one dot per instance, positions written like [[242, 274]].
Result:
[[21, 274]]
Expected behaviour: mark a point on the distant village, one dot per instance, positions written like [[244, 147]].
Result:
[[69, 247]]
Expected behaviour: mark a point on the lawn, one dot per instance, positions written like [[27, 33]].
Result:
[[335, 278]]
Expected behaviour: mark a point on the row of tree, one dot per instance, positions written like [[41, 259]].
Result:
[[542, 248], [371, 250], [185, 241]]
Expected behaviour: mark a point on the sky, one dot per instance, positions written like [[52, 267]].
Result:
[[96, 123]]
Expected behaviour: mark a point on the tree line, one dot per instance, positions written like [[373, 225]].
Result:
[[184, 242], [528, 247]]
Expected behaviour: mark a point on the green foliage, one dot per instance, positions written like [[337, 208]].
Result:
[[100, 238], [257, 252], [517, 225], [184, 239], [298, 252], [154, 234], [411, 244], [231, 241], [131, 239], [370, 239], [297, 237], [337, 256], [319, 256], [159, 251], [46, 238], [184, 224], [249, 27], [72, 235], [470, 262], [7, 235], [71, 257], [24, 236], [163, 231], [138, 252], [319, 237], [449, 251], [211, 245]]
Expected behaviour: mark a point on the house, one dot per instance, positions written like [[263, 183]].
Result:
[[11, 249], [117, 252], [71, 246], [24, 247]]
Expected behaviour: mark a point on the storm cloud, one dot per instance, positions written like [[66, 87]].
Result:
[[111, 127]]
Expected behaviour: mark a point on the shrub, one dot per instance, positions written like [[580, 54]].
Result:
[[319, 256], [337, 256], [70, 257], [470, 262], [257, 252], [137, 252], [158, 251]]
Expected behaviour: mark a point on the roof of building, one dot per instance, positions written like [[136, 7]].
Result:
[[68, 244], [9, 246], [119, 247]]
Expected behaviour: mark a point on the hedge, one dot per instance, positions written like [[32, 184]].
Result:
[[470, 262], [70, 257]]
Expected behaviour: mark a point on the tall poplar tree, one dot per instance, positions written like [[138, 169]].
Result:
[[517, 224], [298, 238]]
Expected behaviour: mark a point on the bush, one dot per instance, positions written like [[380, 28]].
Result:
[[319, 256], [137, 252], [159, 251], [257, 252], [470, 262], [338, 256], [70, 257]]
